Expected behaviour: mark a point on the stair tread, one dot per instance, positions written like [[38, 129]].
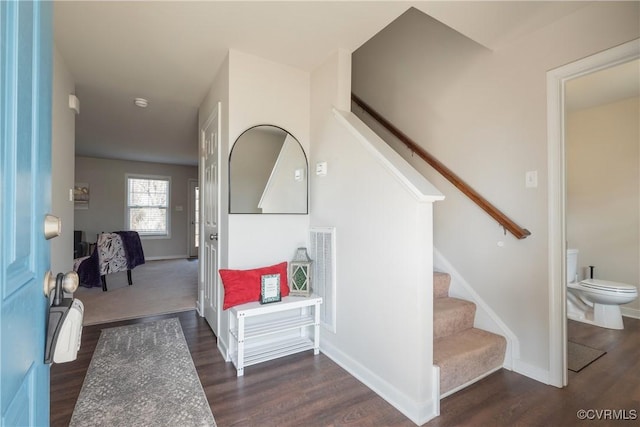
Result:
[[467, 355], [470, 340], [452, 315], [451, 303]]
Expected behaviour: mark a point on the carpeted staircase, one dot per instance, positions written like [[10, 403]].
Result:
[[463, 353]]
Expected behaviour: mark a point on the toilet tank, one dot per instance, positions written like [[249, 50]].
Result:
[[572, 265]]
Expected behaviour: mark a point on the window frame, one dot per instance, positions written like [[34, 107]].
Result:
[[127, 207]]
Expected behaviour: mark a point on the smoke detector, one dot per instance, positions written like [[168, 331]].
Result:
[[141, 102]]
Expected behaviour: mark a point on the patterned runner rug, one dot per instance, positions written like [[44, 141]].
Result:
[[142, 375]]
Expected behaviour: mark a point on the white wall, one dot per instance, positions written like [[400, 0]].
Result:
[[276, 95], [62, 164], [384, 257], [603, 190], [106, 213], [483, 114]]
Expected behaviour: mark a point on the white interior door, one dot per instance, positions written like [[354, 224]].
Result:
[[210, 136]]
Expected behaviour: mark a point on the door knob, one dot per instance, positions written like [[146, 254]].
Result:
[[213, 236], [69, 282]]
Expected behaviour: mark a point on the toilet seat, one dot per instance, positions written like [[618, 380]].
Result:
[[606, 286]]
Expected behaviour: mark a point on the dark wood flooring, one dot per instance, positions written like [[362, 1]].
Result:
[[308, 390]]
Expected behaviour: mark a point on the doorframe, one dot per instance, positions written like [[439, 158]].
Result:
[[556, 81], [191, 234], [201, 150]]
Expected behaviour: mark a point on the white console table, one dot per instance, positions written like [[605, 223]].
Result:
[[254, 339]]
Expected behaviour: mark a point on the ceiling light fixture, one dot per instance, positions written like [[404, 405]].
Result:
[[141, 102]]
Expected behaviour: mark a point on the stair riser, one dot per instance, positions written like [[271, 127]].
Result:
[[441, 283], [452, 315], [449, 325], [463, 368]]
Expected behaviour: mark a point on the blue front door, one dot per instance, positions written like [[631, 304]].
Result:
[[25, 183]]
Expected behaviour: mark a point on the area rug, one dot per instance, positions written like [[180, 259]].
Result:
[[159, 287], [142, 375], [579, 356]]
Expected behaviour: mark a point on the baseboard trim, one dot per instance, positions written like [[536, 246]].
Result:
[[165, 257], [435, 390], [417, 412], [533, 372], [630, 312], [224, 351]]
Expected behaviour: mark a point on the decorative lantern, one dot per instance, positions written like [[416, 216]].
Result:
[[300, 274]]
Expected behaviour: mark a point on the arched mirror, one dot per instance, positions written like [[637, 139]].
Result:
[[267, 173]]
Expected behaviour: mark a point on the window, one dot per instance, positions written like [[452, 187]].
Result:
[[148, 205]]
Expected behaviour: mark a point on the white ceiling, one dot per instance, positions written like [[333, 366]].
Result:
[[169, 53]]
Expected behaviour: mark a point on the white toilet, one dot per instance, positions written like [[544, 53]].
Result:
[[595, 301]]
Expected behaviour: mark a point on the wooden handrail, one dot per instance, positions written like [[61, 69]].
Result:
[[483, 203]]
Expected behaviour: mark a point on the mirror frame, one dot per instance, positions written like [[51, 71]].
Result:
[[306, 161]]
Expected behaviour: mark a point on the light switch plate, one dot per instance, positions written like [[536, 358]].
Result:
[[531, 179], [321, 168]]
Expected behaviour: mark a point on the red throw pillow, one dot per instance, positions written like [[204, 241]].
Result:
[[242, 286]]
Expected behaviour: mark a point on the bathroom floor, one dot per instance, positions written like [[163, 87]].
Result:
[[619, 343]]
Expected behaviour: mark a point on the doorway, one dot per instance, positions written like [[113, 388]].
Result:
[[556, 86]]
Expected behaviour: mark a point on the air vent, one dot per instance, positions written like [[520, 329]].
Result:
[[322, 252]]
